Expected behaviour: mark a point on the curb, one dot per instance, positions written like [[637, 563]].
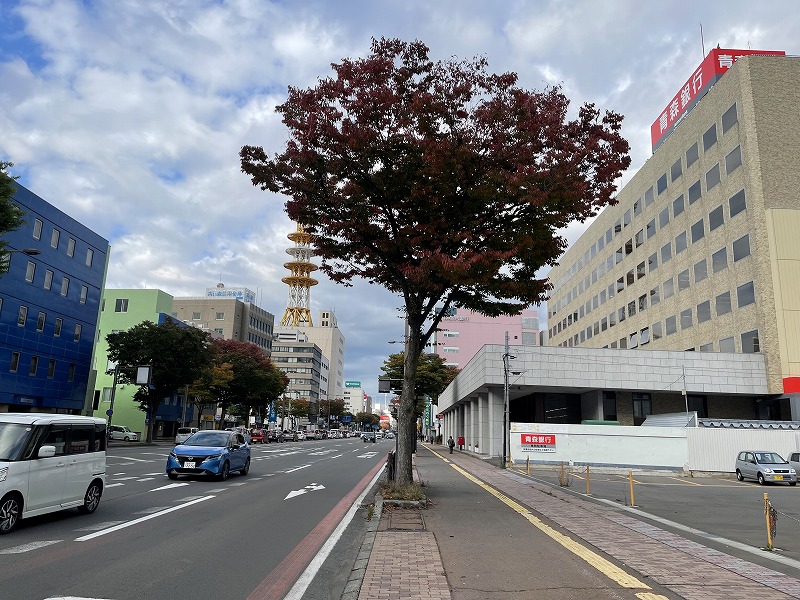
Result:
[[353, 587]]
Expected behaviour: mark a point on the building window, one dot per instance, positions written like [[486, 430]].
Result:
[[628, 247], [698, 231], [30, 271], [741, 248], [649, 196], [71, 372], [716, 218], [77, 336], [678, 206], [745, 294], [692, 155], [48, 279], [609, 406], [652, 262], [637, 210], [22, 317], [666, 253], [639, 238], [54, 238], [37, 229], [195, 316], [707, 347], [621, 314], [683, 280], [719, 260], [220, 316], [663, 218], [644, 336], [733, 160], [630, 278], [14, 362], [676, 170], [680, 243], [57, 329], [651, 228], [723, 303], [729, 119], [40, 322], [633, 340], [686, 318], [219, 330], [727, 345], [671, 325], [710, 137], [626, 219], [623, 343], [640, 271], [34, 365], [655, 330], [700, 270], [750, 342], [704, 311], [654, 299], [84, 294], [642, 302], [661, 184], [51, 368], [712, 177], [737, 203], [642, 407], [64, 286], [71, 247], [89, 257], [121, 305], [695, 192], [669, 288]]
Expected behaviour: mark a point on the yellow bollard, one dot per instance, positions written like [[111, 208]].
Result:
[[766, 514], [587, 481], [561, 481], [630, 480], [528, 465]]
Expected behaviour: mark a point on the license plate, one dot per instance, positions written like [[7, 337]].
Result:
[[778, 477], [189, 464]]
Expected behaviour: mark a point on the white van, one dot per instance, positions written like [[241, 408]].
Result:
[[49, 462]]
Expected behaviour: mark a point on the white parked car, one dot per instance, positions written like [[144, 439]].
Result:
[[120, 432], [49, 462], [184, 433]]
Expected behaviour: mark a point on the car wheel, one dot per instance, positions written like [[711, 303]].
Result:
[[127, 439], [91, 500], [223, 473], [761, 479], [792, 483], [246, 469], [739, 475], [172, 475], [10, 511]]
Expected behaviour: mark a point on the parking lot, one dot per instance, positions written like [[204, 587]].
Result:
[[719, 506]]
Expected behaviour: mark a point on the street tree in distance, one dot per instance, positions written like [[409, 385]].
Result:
[[444, 183], [433, 376], [176, 354], [11, 216]]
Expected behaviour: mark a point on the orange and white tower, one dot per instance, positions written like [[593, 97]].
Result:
[[298, 313]]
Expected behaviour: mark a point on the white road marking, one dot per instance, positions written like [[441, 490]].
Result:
[[28, 547], [151, 510], [367, 455], [189, 498], [238, 483], [309, 488], [128, 458], [124, 478], [91, 536], [296, 469], [73, 598], [167, 487], [108, 485], [98, 526], [146, 479]]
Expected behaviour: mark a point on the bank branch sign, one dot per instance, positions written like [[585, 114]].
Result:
[[538, 442]]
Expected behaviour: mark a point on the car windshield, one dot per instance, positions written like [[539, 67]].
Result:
[[770, 458], [209, 438], [13, 437]]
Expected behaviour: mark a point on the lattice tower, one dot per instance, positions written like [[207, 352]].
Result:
[[300, 281]]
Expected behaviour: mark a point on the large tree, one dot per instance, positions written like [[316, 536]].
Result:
[[11, 216], [176, 354], [444, 183]]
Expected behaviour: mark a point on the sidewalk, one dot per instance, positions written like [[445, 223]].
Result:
[[468, 544]]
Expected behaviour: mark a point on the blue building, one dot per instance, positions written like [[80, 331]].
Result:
[[49, 310]]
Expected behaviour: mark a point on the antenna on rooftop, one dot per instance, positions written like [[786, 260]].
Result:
[[702, 43]]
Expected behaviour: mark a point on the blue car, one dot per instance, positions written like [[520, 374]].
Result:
[[210, 453]]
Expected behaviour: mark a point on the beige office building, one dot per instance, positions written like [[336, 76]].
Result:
[[702, 251]]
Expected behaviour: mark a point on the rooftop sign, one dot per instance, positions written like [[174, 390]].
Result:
[[704, 77]]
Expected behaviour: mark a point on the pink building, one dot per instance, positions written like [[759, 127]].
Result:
[[464, 332]]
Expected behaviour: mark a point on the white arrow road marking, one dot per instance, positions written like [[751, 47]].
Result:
[[140, 520], [309, 488], [28, 547], [296, 469], [73, 598], [99, 526], [167, 487], [367, 455]]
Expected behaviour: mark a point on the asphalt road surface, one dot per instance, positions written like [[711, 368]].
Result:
[[249, 537]]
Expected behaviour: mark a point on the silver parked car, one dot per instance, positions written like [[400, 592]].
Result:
[[764, 466]]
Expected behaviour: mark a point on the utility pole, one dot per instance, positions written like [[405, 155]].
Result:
[[505, 402]]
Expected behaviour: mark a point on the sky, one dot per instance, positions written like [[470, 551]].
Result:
[[128, 115]]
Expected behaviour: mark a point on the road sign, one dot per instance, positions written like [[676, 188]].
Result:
[[346, 418], [109, 412]]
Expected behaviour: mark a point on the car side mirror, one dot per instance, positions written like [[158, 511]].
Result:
[[47, 451], [234, 446]]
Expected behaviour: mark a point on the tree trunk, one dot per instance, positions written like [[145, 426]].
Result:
[[406, 430]]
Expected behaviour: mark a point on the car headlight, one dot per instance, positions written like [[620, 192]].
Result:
[[792, 472], [767, 471], [3, 473], [173, 455], [213, 457]]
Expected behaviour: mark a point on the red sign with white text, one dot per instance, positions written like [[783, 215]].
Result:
[[704, 77], [538, 442]]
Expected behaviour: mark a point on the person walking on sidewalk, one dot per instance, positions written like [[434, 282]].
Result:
[[450, 443]]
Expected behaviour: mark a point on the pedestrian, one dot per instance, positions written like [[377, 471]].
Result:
[[451, 443]]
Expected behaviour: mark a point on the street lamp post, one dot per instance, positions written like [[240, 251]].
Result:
[[506, 357]]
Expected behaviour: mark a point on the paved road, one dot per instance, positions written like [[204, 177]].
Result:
[[250, 536]]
